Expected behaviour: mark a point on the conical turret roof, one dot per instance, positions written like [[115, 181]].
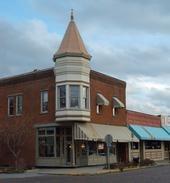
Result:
[[72, 43]]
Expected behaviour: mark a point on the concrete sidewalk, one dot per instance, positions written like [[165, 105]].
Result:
[[93, 170], [72, 171]]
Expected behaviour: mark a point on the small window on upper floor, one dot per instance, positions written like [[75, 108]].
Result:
[[85, 98], [61, 96], [115, 111], [11, 105], [98, 109], [75, 96], [44, 101], [19, 104]]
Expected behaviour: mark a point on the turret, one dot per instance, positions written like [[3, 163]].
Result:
[[72, 72]]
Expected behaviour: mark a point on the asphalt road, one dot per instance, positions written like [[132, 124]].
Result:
[[149, 175]]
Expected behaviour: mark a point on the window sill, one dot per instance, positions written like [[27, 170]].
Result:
[[44, 112], [18, 115], [71, 109], [10, 116]]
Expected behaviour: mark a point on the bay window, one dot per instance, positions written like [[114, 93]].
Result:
[[72, 96]]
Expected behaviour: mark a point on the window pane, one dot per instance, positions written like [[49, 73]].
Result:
[[152, 145], [11, 105], [19, 104], [85, 97], [46, 146], [50, 131], [74, 95], [41, 131], [62, 96], [134, 145], [44, 101]]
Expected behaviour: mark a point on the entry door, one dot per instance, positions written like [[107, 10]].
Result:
[[68, 153], [122, 152]]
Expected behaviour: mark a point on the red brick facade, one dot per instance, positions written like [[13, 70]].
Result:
[[108, 87], [139, 118], [30, 85]]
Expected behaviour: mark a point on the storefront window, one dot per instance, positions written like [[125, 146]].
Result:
[[92, 147], [152, 145], [101, 148], [167, 146], [46, 142], [134, 145]]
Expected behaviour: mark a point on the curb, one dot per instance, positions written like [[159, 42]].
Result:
[[100, 172]]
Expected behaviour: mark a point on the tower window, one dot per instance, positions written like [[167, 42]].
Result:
[[62, 96], [85, 97], [74, 96]]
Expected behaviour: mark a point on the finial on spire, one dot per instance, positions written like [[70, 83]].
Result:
[[72, 16]]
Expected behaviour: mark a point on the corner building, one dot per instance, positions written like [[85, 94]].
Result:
[[71, 109], [88, 106]]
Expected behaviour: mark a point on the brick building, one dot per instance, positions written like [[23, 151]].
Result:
[[154, 139], [70, 109]]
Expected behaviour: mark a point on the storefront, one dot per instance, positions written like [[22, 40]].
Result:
[[80, 144], [153, 141]]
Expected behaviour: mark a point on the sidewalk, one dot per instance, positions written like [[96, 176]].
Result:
[[72, 171], [93, 170]]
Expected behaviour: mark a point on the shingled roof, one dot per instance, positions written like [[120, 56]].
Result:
[[72, 43]]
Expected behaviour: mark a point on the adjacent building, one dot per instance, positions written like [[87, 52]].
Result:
[[154, 139]]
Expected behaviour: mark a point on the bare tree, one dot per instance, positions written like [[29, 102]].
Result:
[[14, 135]]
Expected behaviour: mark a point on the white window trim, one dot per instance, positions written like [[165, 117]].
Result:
[[18, 114], [58, 97], [113, 112], [79, 97]]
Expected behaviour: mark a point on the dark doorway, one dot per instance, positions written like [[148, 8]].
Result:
[[122, 152]]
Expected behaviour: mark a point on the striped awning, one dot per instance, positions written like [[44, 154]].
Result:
[[96, 132], [167, 129], [101, 100], [117, 103], [149, 133]]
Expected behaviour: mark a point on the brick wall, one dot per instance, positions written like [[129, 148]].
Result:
[[139, 118], [108, 87], [29, 86]]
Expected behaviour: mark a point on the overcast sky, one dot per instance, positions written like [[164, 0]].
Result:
[[128, 39]]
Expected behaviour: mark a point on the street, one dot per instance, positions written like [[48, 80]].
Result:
[[149, 175]]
